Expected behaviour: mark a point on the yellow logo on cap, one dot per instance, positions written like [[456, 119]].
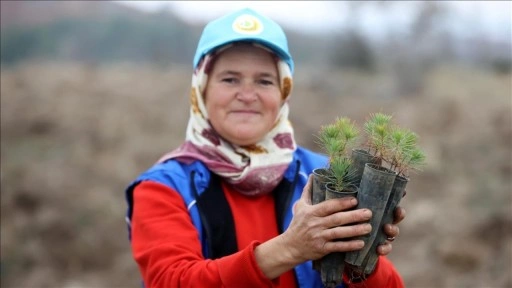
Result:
[[247, 24]]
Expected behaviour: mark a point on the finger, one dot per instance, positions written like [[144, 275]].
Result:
[[343, 232], [391, 230], [347, 217], [331, 206], [343, 246], [384, 249], [399, 215], [294, 207], [306, 193]]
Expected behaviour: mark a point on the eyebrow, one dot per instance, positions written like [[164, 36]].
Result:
[[263, 74]]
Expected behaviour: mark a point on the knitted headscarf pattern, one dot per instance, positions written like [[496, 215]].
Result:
[[251, 170]]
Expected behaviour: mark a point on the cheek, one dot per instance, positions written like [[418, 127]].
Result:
[[275, 105], [213, 111], [216, 97], [214, 105], [211, 100]]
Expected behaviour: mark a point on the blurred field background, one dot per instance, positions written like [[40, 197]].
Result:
[[92, 93]]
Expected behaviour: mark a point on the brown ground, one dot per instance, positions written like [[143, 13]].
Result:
[[72, 138]]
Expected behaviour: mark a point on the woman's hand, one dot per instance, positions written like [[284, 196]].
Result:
[[315, 229], [312, 233], [392, 231]]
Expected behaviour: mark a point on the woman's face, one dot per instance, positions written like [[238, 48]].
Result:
[[242, 96]]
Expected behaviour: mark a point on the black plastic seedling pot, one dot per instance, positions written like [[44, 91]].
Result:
[[359, 159], [374, 191], [333, 264], [318, 191], [397, 192]]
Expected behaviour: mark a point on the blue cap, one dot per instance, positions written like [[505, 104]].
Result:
[[243, 25]]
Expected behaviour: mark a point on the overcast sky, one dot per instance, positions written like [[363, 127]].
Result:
[[305, 13], [325, 16]]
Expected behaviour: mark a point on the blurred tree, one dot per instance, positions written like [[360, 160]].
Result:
[[350, 47], [17, 44], [424, 44], [352, 50], [104, 32], [159, 38]]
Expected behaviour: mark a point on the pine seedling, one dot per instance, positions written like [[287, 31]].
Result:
[[414, 161], [399, 143], [328, 139], [402, 152], [334, 139], [347, 130], [377, 128], [341, 172]]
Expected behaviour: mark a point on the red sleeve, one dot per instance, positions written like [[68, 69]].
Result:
[[385, 276], [166, 246]]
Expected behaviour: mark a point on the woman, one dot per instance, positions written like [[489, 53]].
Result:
[[231, 206]]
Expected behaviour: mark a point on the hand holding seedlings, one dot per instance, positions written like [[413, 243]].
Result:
[[315, 230], [391, 231], [376, 175]]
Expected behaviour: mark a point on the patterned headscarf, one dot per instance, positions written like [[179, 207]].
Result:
[[251, 170]]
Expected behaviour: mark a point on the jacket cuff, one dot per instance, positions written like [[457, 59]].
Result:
[[243, 270]]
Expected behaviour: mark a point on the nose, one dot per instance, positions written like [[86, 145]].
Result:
[[247, 93]]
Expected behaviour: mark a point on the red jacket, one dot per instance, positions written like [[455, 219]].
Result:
[[167, 249]]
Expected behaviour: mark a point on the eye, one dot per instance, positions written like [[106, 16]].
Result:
[[230, 80], [266, 82]]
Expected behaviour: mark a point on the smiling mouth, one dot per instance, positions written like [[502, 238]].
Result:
[[245, 112]]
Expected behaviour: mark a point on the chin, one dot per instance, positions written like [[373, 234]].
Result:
[[241, 139], [244, 135]]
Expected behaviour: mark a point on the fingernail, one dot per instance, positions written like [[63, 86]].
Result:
[[367, 213], [353, 201], [360, 244], [367, 228]]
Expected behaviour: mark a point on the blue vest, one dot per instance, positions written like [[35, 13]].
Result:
[[178, 176]]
